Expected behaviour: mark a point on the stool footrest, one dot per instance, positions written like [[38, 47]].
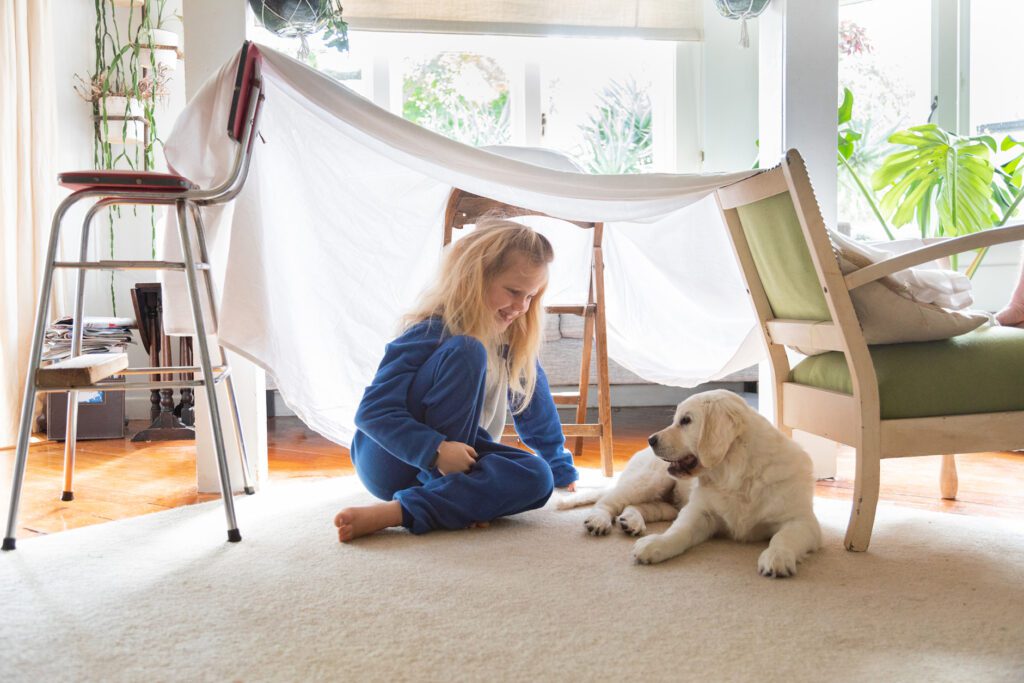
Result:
[[581, 309], [566, 398], [586, 430], [127, 265], [81, 370], [220, 373]]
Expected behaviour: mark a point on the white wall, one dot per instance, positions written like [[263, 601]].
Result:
[[730, 123], [74, 29]]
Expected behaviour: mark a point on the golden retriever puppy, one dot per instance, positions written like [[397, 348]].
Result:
[[720, 469]]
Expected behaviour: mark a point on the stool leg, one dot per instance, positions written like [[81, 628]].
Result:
[[604, 404], [207, 367], [77, 331], [204, 254], [29, 398], [584, 386]]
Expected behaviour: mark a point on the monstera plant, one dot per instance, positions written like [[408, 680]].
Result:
[[949, 185]]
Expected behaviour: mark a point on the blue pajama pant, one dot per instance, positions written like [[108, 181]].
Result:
[[447, 394]]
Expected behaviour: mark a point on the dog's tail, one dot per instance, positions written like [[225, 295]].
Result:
[[575, 500]]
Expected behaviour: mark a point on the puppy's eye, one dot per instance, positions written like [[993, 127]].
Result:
[[684, 420]]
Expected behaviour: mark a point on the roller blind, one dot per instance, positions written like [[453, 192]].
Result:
[[652, 19]]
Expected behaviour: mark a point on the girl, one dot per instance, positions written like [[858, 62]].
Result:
[[429, 425]]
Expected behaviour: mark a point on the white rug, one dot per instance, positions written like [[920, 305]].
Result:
[[164, 597]]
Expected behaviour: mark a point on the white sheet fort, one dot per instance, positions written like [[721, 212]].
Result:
[[339, 228]]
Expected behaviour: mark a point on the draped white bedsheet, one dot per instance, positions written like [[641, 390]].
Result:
[[339, 228]]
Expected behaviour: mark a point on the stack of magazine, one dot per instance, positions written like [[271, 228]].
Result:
[[100, 335]]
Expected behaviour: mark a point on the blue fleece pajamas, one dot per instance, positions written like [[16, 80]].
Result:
[[429, 389]]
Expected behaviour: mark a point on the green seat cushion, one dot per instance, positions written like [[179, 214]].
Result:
[[978, 372]]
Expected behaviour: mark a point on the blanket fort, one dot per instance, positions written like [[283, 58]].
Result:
[[339, 228]]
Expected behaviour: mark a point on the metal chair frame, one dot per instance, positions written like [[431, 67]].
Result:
[[184, 202]]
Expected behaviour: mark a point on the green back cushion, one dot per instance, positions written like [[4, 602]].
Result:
[[978, 372], [783, 261]]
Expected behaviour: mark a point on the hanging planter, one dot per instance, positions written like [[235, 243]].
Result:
[[742, 10], [302, 18], [164, 49]]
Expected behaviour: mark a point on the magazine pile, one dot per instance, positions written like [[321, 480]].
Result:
[[99, 335]]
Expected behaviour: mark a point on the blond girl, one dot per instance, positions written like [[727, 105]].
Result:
[[430, 423]]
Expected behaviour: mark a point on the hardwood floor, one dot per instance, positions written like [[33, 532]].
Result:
[[117, 479]]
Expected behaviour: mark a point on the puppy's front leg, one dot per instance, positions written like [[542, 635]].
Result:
[[634, 518], [790, 544], [693, 525]]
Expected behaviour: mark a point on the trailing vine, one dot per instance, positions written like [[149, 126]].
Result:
[[118, 71]]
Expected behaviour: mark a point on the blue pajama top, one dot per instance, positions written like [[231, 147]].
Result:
[[384, 416]]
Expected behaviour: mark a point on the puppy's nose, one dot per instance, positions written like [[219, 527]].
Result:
[[653, 440]]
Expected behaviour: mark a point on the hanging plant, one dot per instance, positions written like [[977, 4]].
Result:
[[741, 10], [124, 87], [303, 18]]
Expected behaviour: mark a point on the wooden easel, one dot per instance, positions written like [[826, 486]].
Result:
[[464, 209]]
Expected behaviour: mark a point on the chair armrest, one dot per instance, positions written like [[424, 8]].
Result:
[[976, 240]]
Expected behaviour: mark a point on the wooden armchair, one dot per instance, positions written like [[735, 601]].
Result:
[[958, 395]]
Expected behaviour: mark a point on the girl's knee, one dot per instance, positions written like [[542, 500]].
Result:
[[539, 482]]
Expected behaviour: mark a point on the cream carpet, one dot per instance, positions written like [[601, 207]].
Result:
[[939, 597]]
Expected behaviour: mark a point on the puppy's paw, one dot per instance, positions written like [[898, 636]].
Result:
[[598, 522], [651, 550], [632, 522], [777, 562]]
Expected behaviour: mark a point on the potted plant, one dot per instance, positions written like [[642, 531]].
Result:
[[158, 46], [122, 111], [950, 185], [123, 89], [302, 18]]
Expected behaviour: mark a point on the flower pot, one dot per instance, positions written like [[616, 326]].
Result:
[[115, 106], [124, 122], [165, 49], [124, 132]]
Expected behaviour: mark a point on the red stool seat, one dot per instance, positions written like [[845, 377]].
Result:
[[142, 181]]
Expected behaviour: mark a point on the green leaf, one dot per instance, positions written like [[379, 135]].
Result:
[[937, 172], [846, 108]]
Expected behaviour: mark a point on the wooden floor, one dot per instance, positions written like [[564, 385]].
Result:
[[117, 479]]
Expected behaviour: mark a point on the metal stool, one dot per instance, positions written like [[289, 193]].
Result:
[[93, 372]]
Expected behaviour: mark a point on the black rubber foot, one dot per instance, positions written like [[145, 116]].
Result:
[[8, 544], [67, 495], [249, 490], [234, 536]]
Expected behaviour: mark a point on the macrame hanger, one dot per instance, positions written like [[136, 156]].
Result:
[[744, 37]]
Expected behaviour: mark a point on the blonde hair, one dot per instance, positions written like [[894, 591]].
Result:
[[458, 299]]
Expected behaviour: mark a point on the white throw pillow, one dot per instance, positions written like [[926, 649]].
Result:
[[904, 307]]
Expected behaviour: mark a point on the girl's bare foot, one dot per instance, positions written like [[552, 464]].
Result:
[[1012, 315], [479, 525], [359, 521]]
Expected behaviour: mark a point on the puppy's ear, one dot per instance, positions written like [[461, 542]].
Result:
[[723, 422]]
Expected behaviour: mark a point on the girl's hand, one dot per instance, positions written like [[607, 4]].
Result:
[[455, 456], [571, 488]]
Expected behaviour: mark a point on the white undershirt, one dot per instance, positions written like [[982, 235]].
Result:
[[492, 417]]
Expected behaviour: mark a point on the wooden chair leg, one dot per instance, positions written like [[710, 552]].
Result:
[[865, 499], [948, 482]]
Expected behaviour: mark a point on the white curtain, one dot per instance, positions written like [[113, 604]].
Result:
[[27, 188]]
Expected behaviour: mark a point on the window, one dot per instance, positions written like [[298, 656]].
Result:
[[997, 100], [590, 98], [885, 61]]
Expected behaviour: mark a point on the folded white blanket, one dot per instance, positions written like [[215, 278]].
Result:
[[926, 284]]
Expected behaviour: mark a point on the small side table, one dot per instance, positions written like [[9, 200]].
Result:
[[170, 423]]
